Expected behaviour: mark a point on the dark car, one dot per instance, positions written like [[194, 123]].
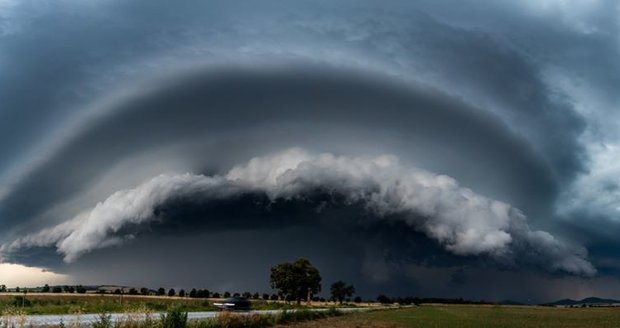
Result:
[[234, 304]]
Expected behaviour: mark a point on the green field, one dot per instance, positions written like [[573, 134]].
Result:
[[436, 316], [75, 303], [476, 316]]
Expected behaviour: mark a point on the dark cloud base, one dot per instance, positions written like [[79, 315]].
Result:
[[231, 244]]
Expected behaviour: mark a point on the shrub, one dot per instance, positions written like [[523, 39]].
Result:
[[230, 320], [333, 312], [174, 318], [384, 299], [21, 301], [284, 317], [104, 321]]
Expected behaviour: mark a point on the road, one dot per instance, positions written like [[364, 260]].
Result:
[[87, 319]]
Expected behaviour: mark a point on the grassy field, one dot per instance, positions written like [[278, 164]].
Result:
[[69, 304], [76, 303], [466, 316]]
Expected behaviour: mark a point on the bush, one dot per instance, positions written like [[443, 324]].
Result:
[[297, 316], [104, 321], [230, 320], [333, 312], [174, 318], [21, 301], [383, 299]]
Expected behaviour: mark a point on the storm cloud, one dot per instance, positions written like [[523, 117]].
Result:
[[130, 126], [464, 222]]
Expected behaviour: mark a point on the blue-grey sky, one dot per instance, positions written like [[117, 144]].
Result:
[[422, 148]]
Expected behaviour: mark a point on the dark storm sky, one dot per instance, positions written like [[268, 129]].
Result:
[[421, 148]]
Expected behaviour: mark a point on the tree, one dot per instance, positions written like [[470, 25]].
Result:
[[204, 293], [274, 297], [296, 280], [45, 289], [383, 299], [2, 288], [172, 292], [357, 299], [182, 293], [161, 291], [80, 289], [226, 294], [340, 290], [17, 289], [144, 291], [133, 291], [255, 296], [56, 290], [192, 293], [216, 295], [265, 296]]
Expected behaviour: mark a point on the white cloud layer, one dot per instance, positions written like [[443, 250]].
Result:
[[464, 222]]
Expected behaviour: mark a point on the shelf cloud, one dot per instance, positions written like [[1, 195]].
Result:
[[464, 222]]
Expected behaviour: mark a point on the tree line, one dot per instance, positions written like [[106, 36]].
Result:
[[294, 282]]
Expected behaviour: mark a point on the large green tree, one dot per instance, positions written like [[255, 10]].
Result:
[[296, 280], [340, 291]]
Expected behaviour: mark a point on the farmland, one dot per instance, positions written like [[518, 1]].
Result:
[[470, 316], [426, 315], [47, 303]]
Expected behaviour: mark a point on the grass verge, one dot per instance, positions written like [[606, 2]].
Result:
[[177, 318]]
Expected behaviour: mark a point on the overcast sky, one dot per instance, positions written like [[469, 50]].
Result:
[[428, 148]]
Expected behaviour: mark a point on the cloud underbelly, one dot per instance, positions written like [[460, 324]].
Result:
[[463, 222]]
